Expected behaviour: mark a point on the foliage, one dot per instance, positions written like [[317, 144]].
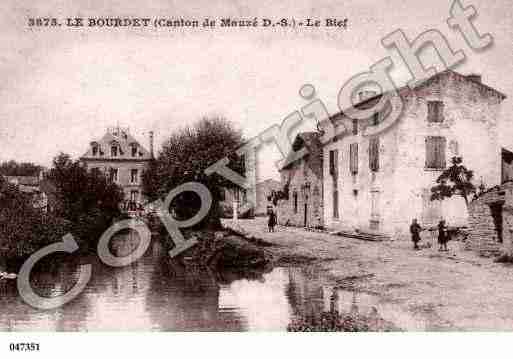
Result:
[[13, 168], [454, 180], [87, 199], [23, 228], [184, 157]]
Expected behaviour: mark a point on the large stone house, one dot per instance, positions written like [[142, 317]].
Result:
[[380, 182], [123, 159], [302, 181]]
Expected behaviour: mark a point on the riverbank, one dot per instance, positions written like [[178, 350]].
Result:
[[416, 290]]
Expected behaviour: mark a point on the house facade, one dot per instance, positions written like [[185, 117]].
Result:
[[123, 159], [302, 183], [264, 191], [380, 182], [239, 199]]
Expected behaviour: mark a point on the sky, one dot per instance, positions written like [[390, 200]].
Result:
[[62, 87]]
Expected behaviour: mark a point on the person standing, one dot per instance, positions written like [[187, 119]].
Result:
[[272, 220], [442, 235], [415, 229]]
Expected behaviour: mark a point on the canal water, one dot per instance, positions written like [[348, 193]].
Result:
[[153, 294]]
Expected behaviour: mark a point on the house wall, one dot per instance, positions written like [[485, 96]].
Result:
[[263, 190], [483, 234], [470, 129], [365, 198], [402, 183], [303, 179], [124, 168]]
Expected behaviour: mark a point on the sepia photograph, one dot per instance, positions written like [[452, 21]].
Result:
[[237, 166]]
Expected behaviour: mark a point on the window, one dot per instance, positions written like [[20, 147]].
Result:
[[113, 174], [355, 126], [353, 158], [114, 151], [295, 201], [244, 196], [95, 171], [435, 152], [435, 111], [243, 164], [374, 154], [134, 150], [133, 196], [375, 119], [95, 150], [133, 176], [333, 163]]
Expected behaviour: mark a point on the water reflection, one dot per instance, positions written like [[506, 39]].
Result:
[[156, 294], [319, 306]]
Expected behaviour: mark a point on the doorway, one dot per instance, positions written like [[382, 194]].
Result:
[[496, 211], [306, 213]]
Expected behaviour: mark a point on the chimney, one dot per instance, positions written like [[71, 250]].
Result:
[[365, 95], [474, 77], [151, 144]]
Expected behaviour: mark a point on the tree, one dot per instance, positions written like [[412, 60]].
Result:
[[87, 199], [454, 180], [13, 168], [184, 157], [23, 228]]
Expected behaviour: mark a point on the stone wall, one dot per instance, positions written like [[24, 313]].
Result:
[[483, 234], [307, 186]]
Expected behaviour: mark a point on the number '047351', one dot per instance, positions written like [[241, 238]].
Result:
[[24, 347]]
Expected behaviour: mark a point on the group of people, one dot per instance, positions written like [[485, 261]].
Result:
[[443, 234]]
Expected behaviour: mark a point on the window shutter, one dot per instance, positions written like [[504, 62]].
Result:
[[438, 154], [430, 152], [435, 152], [353, 158], [332, 161], [374, 154], [441, 151]]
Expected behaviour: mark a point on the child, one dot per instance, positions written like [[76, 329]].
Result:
[[272, 220], [415, 233]]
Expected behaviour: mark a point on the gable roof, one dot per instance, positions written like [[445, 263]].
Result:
[[404, 90], [310, 140], [124, 140]]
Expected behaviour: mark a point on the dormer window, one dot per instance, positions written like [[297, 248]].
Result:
[[95, 149], [114, 151]]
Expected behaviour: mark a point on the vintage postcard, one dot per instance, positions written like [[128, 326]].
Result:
[[221, 166]]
